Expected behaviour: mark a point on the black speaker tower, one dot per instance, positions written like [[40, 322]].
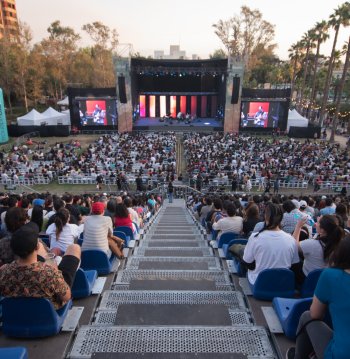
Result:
[[235, 90], [121, 89]]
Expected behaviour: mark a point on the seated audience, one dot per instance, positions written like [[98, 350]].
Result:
[[271, 247], [27, 277], [98, 232], [315, 339]]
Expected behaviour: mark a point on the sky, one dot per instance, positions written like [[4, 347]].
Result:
[[156, 24]]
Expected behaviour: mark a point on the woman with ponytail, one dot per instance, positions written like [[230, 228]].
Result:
[[271, 247], [61, 232], [318, 252]]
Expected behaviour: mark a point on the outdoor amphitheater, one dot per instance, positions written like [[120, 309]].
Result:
[[174, 206]]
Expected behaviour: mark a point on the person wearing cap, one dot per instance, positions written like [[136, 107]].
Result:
[[98, 232], [28, 277]]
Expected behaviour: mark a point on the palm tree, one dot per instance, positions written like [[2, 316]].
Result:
[[321, 34], [341, 16], [308, 42], [340, 89], [294, 54]]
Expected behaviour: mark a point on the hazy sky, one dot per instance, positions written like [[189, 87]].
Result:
[[156, 24]]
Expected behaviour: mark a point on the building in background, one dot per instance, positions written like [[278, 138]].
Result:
[[175, 53], [8, 18]]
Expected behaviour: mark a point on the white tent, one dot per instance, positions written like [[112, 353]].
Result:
[[66, 119], [295, 119], [32, 118], [54, 117], [63, 102]]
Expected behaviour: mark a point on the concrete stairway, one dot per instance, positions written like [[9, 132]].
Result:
[[173, 299]]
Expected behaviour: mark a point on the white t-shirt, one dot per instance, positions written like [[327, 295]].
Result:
[[270, 249], [96, 230], [229, 224], [313, 255], [69, 233]]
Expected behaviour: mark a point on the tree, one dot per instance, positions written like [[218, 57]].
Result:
[[340, 17], [308, 43], [294, 55], [321, 35], [218, 54], [58, 50], [244, 33], [340, 89], [106, 41], [22, 51]]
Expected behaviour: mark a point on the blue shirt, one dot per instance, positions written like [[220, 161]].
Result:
[[333, 289], [327, 210]]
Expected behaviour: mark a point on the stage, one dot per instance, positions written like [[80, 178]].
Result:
[[198, 125]]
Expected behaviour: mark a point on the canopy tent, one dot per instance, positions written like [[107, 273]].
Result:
[[63, 102], [55, 118], [296, 120], [32, 118]]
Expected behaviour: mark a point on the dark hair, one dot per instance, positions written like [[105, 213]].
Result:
[[24, 240], [12, 202], [25, 203], [217, 203], [230, 209], [252, 211], [121, 211], [208, 201], [334, 234], [288, 206], [61, 219], [273, 217], [111, 205], [128, 202], [15, 218], [341, 255], [342, 211], [58, 204], [329, 201], [38, 216]]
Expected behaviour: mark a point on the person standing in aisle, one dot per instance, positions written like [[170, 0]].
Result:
[[170, 191]]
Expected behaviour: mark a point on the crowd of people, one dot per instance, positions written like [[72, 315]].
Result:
[[302, 234], [242, 159]]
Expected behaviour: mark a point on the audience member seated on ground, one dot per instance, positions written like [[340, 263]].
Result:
[[317, 253], [315, 338], [251, 218], [231, 223], [15, 218], [98, 232], [62, 233], [27, 277], [271, 247]]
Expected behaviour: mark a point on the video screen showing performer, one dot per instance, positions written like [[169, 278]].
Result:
[[97, 112], [260, 114]]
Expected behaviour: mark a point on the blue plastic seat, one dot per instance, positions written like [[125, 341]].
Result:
[[46, 239], [226, 246], [310, 282], [14, 353], [26, 317], [83, 283], [271, 283], [226, 238], [128, 232], [121, 235], [289, 312], [97, 259], [241, 271]]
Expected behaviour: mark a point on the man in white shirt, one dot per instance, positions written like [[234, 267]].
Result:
[[231, 223]]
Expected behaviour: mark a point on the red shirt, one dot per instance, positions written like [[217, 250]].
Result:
[[125, 221]]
